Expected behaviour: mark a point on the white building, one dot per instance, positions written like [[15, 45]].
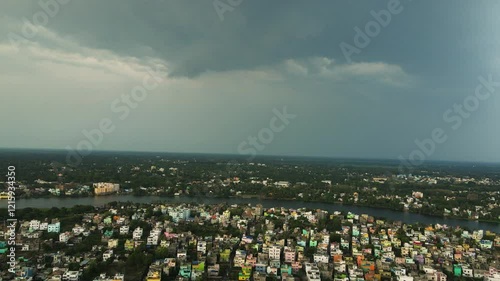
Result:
[[35, 225], [43, 226], [312, 272], [492, 277], [71, 275], [275, 252], [282, 184], [201, 247], [137, 234], [77, 230], [106, 255], [405, 278], [124, 230], [321, 258], [467, 272], [64, 237], [153, 237]]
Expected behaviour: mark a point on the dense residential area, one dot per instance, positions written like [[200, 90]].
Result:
[[128, 241]]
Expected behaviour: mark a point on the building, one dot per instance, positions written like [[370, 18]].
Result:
[[312, 272], [54, 227], [64, 237], [153, 275], [34, 224], [107, 255], [275, 252], [125, 229], [137, 234], [103, 188], [71, 275]]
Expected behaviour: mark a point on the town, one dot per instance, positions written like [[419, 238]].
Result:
[[127, 241], [462, 191]]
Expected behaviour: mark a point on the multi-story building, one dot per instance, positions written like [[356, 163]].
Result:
[[275, 252], [64, 237], [34, 224], [103, 188], [312, 272], [201, 247], [289, 255], [124, 230], [106, 255], [137, 234], [54, 227]]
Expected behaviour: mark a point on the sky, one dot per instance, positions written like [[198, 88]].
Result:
[[229, 68]]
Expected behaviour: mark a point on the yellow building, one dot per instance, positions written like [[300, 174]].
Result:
[[153, 275], [102, 188]]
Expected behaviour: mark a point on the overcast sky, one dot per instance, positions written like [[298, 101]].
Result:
[[228, 69]]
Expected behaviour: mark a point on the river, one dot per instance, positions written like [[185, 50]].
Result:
[[376, 212]]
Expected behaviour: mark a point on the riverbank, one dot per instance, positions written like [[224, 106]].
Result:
[[406, 217], [260, 197]]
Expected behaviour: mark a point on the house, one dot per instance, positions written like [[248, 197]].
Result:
[[64, 237], [274, 252], [467, 272], [124, 229], [260, 267], [312, 272], [71, 275], [320, 258], [106, 255], [153, 275], [103, 188], [54, 227], [112, 243], [43, 226], [436, 276], [404, 278], [77, 230], [289, 255], [213, 270], [34, 225], [201, 247], [137, 233], [129, 245]]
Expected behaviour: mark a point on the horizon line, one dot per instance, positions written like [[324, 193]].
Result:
[[259, 155]]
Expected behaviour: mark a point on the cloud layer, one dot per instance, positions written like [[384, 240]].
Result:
[[225, 77]]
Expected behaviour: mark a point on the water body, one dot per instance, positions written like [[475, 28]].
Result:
[[376, 212]]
